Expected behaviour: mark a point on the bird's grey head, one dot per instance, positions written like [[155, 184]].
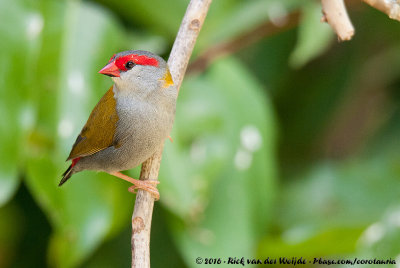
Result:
[[137, 70]]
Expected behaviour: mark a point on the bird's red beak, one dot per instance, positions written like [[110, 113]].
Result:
[[110, 69]]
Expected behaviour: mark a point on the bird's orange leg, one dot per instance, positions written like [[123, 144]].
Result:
[[149, 186]]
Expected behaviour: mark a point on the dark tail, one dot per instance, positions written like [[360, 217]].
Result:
[[67, 174]]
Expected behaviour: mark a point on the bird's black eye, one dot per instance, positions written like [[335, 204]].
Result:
[[129, 65]]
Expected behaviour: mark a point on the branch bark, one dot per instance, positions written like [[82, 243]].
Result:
[[335, 14], [177, 62], [390, 7]]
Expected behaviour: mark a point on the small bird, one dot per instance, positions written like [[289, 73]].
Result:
[[131, 120]]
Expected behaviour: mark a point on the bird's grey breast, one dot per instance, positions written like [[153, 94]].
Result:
[[138, 121], [141, 129]]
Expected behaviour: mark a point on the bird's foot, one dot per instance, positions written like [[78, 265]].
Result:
[[147, 185]]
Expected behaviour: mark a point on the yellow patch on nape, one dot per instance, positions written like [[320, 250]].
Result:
[[167, 78]]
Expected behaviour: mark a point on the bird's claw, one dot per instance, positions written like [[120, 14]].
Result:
[[148, 186]]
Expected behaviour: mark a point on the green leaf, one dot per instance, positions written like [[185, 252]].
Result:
[[381, 238], [308, 243], [218, 176], [16, 106], [340, 200], [229, 19], [162, 17], [314, 37]]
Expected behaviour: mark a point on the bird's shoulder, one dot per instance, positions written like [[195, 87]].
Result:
[[98, 132]]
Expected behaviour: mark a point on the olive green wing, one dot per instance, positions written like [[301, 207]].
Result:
[[98, 132]]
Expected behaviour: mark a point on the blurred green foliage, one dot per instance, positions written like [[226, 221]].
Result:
[[288, 147]]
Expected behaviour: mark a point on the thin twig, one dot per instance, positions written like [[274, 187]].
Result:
[[390, 7], [177, 62], [336, 15]]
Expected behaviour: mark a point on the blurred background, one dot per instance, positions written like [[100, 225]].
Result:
[[286, 142]]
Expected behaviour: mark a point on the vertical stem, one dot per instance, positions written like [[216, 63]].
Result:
[[142, 214], [177, 62], [186, 38]]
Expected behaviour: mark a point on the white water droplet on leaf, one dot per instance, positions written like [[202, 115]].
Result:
[[250, 138], [243, 159], [76, 82], [65, 128], [35, 23]]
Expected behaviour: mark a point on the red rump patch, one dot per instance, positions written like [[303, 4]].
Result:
[[138, 59], [74, 161]]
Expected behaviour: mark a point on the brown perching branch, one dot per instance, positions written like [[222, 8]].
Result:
[[177, 62], [390, 7], [335, 14]]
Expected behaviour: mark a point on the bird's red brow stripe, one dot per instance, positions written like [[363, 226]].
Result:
[[138, 59], [74, 161]]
